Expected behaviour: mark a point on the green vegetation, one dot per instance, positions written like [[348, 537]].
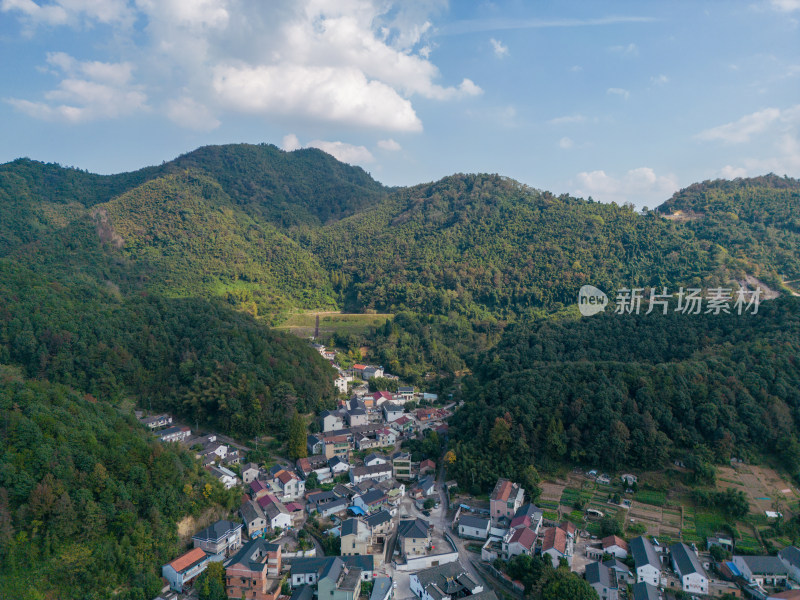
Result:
[[88, 499], [543, 582], [632, 391]]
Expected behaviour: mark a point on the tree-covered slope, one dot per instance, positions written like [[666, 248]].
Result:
[[632, 391], [484, 244], [305, 186], [89, 501], [197, 358], [757, 220], [196, 242]]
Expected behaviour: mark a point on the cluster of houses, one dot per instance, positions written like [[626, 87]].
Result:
[[513, 528], [658, 568]]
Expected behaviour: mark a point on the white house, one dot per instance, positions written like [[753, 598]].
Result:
[[615, 546], [291, 486], [377, 472], [278, 516], [375, 459], [443, 582], [473, 527], [646, 561], [250, 472], [391, 411], [341, 384], [557, 545], [521, 541], [762, 570], [183, 570], [693, 577], [332, 420], [227, 477], [337, 466]]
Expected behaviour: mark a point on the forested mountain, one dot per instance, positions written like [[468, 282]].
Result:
[[88, 500], [634, 390], [481, 245], [757, 220]]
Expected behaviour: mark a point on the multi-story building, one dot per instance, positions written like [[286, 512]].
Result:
[[506, 498], [254, 572], [219, 540]]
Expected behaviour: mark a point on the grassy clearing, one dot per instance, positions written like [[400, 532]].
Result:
[[651, 497], [302, 324]]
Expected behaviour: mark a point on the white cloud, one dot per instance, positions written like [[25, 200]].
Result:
[[89, 91], [290, 143], [341, 95], [70, 12], [659, 80], [500, 50], [357, 62], [190, 114], [640, 186], [618, 92], [347, 153], [565, 143], [754, 124], [389, 145], [731, 172], [785, 5], [628, 50]]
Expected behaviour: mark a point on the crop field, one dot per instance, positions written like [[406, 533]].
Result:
[[302, 324]]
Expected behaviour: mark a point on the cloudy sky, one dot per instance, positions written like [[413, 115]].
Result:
[[623, 101]]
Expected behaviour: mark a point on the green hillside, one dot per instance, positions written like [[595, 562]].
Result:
[[89, 501], [632, 391], [757, 220]]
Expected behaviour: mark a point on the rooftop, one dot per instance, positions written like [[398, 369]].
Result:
[[188, 560], [217, 531]]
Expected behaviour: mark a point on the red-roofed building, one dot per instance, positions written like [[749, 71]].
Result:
[[506, 498], [379, 398], [557, 545], [569, 528], [181, 572], [427, 466], [615, 546], [519, 541], [258, 488], [290, 484]]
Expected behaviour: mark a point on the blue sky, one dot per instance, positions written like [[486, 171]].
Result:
[[623, 101]]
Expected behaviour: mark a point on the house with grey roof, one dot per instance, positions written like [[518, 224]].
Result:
[[380, 522], [375, 458], [254, 519], [219, 540], [790, 557], [646, 561], [603, 579], [762, 570], [413, 537], [307, 571], [339, 582], [378, 472], [692, 575], [645, 591], [472, 527], [624, 574], [444, 582], [392, 412]]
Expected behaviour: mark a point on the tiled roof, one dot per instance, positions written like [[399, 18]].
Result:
[[644, 553], [217, 531], [502, 490], [613, 540], [472, 521], [412, 528], [555, 538], [525, 538], [687, 561], [188, 560]]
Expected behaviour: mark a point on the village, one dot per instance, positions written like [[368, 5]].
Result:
[[361, 516]]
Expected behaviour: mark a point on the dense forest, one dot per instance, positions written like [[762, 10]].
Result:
[[757, 220], [89, 501], [626, 391]]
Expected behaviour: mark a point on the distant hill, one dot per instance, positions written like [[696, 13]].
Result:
[[756, 220]]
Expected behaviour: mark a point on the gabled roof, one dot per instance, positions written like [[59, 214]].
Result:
[[217, 531], [258, 486], [253, 555], [372, 469], [791, 554], [351, 526], [502, 490], [599, 573], [251, 511], [613, 540], [554, 539], [379, 395], [645, 591], [356, 412], [285, 476], [643, 553], [473, 521], [686, 561], [449, 579], [570, 529], [373, 497], [764, 565], [379, 518], [391, 407], [304, 592], [617, 565], [188, 560], [412, 528], [401, 421], [526, 538], [373, 456]]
